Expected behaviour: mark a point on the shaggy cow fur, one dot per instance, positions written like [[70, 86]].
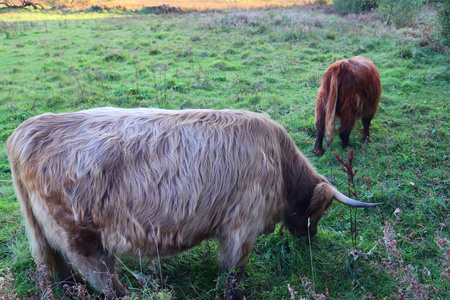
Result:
[[351, 88], [102, 182]]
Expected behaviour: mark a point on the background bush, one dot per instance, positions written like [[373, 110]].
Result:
[[354, 6], [399, 12], [444, 23], [68, 2]]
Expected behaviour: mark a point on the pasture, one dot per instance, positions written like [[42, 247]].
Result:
[[268, 61]]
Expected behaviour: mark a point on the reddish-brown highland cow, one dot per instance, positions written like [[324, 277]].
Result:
[[350, 89], [105, 182]]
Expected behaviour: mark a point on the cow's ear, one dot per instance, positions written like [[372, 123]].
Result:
[[321, 200]]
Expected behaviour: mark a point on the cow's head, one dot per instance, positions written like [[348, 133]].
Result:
[[302, 217]]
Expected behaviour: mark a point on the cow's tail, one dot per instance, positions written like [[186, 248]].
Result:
[[331, 108]]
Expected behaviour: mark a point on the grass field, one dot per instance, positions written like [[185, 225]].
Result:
[[269, 61]]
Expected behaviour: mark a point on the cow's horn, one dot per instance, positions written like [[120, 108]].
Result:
[[349, 201]]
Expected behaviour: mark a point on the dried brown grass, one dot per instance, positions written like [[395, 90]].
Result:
[[208, 4], [410, 279]]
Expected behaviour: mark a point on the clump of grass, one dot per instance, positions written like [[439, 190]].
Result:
[[115, 57], [330, 36], [405, 52], [151, 287], [223, 65]]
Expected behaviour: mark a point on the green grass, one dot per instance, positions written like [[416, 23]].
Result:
[[269, 61]]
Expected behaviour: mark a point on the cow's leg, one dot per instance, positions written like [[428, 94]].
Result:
[[52, 265], [320, 129], [67, 245], [233, 289], [58, 264], [366, 127], [234, 256], [87, 254], [345, 138], [318, 150], [347, 122], [46, 245]]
